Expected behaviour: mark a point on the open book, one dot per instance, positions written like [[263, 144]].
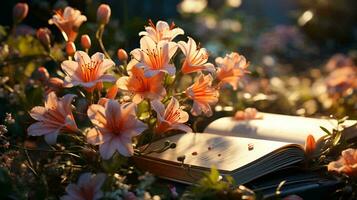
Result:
[[245, 150]]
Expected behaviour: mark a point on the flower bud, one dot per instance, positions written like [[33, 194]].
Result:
[[43, 34], [20, 12], [85, 41], [310, 145], [70, 48], [122, 55], [103, 14], [43, 74], [55, 83], [112, 92]]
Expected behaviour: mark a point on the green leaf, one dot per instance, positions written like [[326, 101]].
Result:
[[337, 138], [325, 130], [342, 120], [230, 180], [214, 175], [2, 32], [29, 69], [115, 163]]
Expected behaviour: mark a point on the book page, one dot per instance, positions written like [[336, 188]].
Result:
[[290, 129], [207, 150]]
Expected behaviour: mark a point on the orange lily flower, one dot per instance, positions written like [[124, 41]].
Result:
[[231, 69], [310, 145], [87, 187], [171, 118], [203, 95], [347, 163], [142, 87], [87, 72], [161, 31], [54, 117], [114, 126], [68, 21], [196, 58], [154, 58]]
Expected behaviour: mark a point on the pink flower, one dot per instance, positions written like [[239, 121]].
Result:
[[196, 58], [54, 117], [342, 80], [141, 86], [114, 126], [68, 21], [347, 163], [338, 60], [231, 69], [162, 31], [87, 72], [154, 58], [247, 114], [203, 95], [171, 118], [87, 188]]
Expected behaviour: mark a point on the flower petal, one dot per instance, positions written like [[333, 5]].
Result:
[[181, 127], [82, 58], [65, 104], [125, 146], [170, 69], [96, 114], [51, 101], [113, 112], [162, 26], [52, 137], [99, 180], [38, 112], [41, 128], [158, 107], [107, 149], [94, 136], [122, 83], [70, 68]]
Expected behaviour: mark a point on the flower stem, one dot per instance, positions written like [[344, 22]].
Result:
[[99, 36]]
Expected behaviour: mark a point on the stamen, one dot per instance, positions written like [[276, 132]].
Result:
[[152, 24], [172, 26]]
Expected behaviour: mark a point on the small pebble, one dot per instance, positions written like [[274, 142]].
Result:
[[194, 153], [219, 155], [250, 146]]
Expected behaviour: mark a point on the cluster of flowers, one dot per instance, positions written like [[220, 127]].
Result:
[[346, 164], [342, 78], [149, 76]]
